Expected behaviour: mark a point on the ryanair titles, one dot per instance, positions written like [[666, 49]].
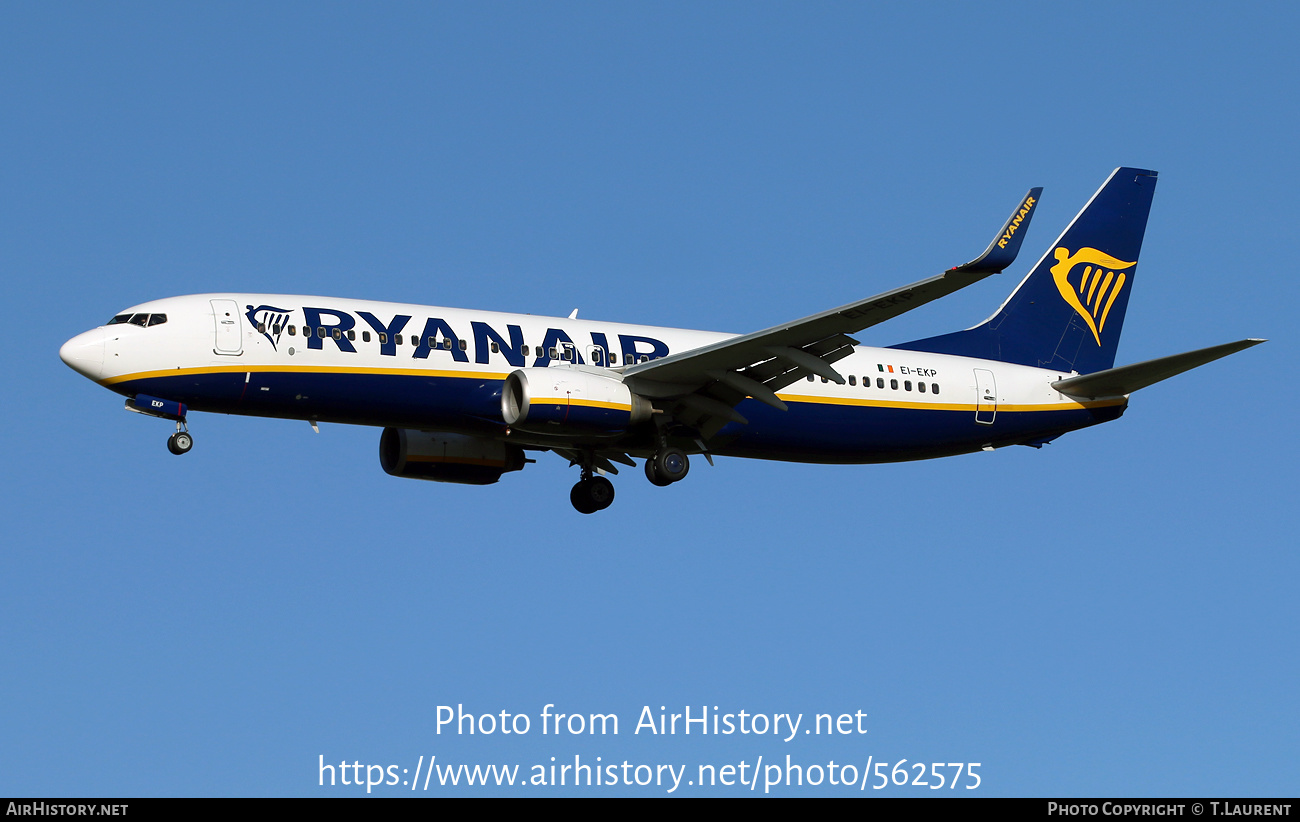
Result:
[[1014, 226], [344, 330]]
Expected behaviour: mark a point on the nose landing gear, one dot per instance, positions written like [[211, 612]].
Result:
[[180, 442]]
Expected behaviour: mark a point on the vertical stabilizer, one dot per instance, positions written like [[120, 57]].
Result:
[[1068, 313]]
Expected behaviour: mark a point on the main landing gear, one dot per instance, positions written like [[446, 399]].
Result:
[[667, 466], [592, 493], [595, 493], [181, 442]]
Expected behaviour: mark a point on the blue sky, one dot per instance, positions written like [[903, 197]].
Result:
[[1113, 614]]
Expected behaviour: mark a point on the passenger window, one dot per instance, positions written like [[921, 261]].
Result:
[[907, 385], [613, 359], [320, 331], [853, 380], [645, 358], [261, 328], [463, 345], [292, 331], [365, 336], [383, 338], [811, 378], [880, 382], [496, 349], [275, 329], [338, 335], [352, 335], [446, 343], [893, 384], [397, 338], [920, 386], [433, 342], [824, 380], [552, 353], [934, 388], [524, 350]]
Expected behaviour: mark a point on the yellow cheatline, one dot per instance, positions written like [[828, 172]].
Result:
[[302, 369], [476, 375], [618, 406], [1068, 405]]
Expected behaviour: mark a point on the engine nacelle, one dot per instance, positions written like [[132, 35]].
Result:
[[440, 457], [567, 400]]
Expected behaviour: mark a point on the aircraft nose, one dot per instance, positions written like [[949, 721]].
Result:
[[84, 353]]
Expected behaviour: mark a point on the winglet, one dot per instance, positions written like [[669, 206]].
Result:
[[1006, 245]]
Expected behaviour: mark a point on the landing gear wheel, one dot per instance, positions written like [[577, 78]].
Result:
[[591, 495], [653, 475], [180, 442], [600, 491], [668, 466]]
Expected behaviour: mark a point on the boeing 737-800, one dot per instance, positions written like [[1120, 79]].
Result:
[[462, 396]]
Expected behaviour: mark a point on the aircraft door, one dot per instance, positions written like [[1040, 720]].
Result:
[[986, 397], [225, 314]]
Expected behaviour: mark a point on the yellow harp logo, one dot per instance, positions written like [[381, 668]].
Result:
[[1101, 280]]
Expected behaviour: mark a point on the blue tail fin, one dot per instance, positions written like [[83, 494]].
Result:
[[1067, 314]]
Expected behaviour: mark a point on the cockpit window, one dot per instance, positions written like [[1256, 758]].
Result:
[[142, 320]]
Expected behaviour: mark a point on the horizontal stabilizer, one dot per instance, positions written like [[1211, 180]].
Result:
[[1006, 245], [1116, 382]]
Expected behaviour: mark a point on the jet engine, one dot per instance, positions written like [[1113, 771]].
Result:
[[570, 401], [441, 457]]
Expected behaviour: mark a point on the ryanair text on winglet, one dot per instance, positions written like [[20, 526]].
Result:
[[1025, 207]]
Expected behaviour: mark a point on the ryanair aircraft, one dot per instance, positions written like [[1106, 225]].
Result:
[[464, 396]]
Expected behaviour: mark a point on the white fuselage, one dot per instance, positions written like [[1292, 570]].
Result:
[[392, 364]]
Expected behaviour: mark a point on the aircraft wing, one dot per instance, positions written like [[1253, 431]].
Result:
[[708, 382]]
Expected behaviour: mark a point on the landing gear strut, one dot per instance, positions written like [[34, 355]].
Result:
[[668, 465], [180, 442], [592, 493]]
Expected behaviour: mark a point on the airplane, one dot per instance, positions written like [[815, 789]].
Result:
[[464, 396]]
